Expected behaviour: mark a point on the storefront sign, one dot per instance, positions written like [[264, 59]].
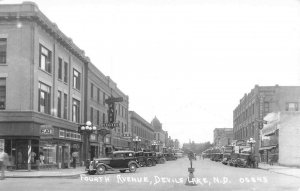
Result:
[[46, 131], [2, 144], [93, 137], [236, 149]]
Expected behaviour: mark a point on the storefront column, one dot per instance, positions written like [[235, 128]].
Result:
[[29, 155]]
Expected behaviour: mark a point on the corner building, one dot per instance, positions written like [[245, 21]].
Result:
[[253, 107]]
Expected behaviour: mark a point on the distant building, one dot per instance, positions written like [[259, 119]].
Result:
[[143, 129], [223, 136], [254, 106], [159, 134]]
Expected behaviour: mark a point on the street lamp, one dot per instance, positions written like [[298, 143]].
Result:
[[136, 140], [87, 129], [251, 141]]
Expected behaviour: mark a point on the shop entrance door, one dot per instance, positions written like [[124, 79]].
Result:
[[93, 152], [21, 154], [65, 156]]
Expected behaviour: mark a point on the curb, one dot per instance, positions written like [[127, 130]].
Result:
[[45, 176]]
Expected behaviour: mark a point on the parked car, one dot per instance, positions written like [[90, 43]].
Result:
[[160, 158], [117, 161], [170, 156], [150, 158], [243, 160], [233, 160], [226, 158]]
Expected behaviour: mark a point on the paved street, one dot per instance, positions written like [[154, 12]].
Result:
[[172, 175]]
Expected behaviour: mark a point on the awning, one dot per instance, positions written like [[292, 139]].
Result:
[[273, 120], [267, 148]]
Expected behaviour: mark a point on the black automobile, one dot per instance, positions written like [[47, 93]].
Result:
[[160, 158], [170, 156], [118, 160], [145, 158], [150, 158]]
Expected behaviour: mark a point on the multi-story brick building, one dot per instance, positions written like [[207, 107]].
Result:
[[48, 87], [143, 129], [223, 136], [254, 106]]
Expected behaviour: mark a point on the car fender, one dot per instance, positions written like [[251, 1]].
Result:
[[106, 166], [134, 162]]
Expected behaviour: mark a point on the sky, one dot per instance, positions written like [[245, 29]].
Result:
[[187, 62]]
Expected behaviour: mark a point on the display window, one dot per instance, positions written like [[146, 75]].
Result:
[[47, 153]]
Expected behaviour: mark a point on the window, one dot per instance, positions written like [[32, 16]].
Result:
[[65, 106], [66, 71], [68, 134], [3, 47], [103, 98], [61, 133], [98, 117], [266, 108], [92, 115], [76, 79], [98, 95], [103, 118], [2, 93], [44, 98], [45, 59], [292, 106], [75, 110], [92, 90], [59, 104], [126, 130], [59, 68]]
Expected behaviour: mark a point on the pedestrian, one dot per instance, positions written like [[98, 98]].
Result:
[[74, 156], [3, 163]]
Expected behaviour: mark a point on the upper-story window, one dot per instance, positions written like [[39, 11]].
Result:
[[3, 47], [266, 108], [60, 68], [66, 71], [2, 93], [59, 97], [291, 106], [92, 90], [75, 110], [45, 59], [76, 79], [65, 106], [44, 98]]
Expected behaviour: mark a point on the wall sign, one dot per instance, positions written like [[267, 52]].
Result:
[[46, 131]]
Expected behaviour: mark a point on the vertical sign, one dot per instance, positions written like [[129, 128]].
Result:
[[261, 111]]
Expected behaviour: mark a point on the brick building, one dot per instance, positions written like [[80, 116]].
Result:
[[254, 106], [48, 87]]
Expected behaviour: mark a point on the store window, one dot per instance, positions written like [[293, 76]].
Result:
[[76, 79], [3, 47], [2, 93], [45, 59], [75, 110], [47, 153], [44, 98]]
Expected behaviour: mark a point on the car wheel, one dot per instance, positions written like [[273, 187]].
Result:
[[132, 168], [100, 170], [122, 171]]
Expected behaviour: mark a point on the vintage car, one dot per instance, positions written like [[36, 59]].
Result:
[[242, 160], [160, 158], [226, 158], [233, 160], [144, 158], [118, 160], [170, 156], [151, 158]]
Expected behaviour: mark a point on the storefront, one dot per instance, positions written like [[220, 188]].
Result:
[[52, 148]]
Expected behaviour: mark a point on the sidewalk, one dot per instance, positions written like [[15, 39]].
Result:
[[71, 172], [291, 171]]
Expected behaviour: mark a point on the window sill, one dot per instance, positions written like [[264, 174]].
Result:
[[45, 72], [3, 64]]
